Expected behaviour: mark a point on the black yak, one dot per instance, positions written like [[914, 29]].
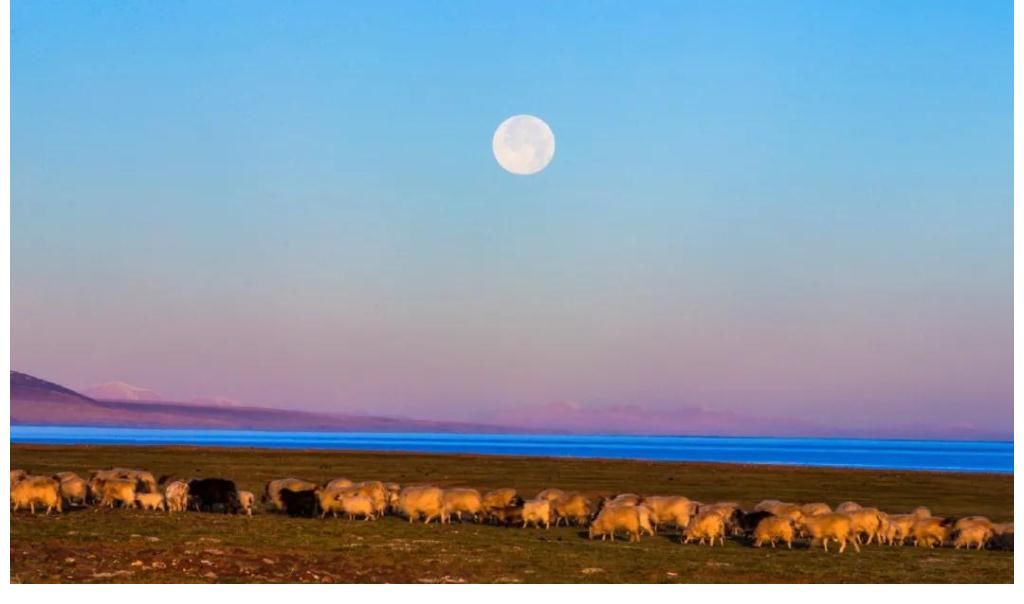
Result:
[[299, 503], [208, 493]]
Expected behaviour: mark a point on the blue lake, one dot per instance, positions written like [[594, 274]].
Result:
[[965, 456]]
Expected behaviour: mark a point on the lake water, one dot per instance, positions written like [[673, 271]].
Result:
[[967, 456]]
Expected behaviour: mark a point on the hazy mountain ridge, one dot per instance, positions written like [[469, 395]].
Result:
[[39, 402]]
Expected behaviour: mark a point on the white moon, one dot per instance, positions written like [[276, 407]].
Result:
[[523, 144]]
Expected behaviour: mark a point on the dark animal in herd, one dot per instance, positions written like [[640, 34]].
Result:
[[208, 494], [299, 503]]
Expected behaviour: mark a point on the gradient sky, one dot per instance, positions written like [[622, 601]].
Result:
[[788, 208]]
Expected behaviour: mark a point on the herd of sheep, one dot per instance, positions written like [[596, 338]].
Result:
[[770, 522]]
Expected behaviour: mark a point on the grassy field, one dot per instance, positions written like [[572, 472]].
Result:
[[135, 546]]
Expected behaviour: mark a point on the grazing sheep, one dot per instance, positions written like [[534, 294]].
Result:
[[117, 490], [391, 491], [626, 499], [537, 512], [730, 513], [31, 490], [974, 534], [899, 527], [765, 505], [669, 510], [496, 500], [17, 475], [358, 505], [772, 529], [150, 501], [328, 500], [510, 515], [815, 509], [968, 522], [337, 483], [825, 527], [176, 495], [614, 518], [706, 526], [374, 490], [867, 522], [574, 508], [72, 487], [725, 509], [298, 504], [929, 532], [246, 501], [424, 501], [645, 519], [550, 494], [272, 490], [146, 483], [208, 493], [847, 507], [921, 512], [459, 501], [791, 511]]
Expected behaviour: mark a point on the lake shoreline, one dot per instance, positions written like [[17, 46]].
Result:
[[431, 456], [867, 454]]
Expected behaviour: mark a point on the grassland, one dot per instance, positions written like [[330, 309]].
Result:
[[135, 546]]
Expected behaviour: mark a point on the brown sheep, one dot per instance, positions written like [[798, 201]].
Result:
[[117, 490], [614, 518], [825, 527], [150, 501], [706, 525], [815, 509], [975, 534], [847, 507], [669, 510], [17, 475], [765, 505], [574, 508], [358, 505], [550, 494], [460, 501], [72, 487], [970, 522], [176, 495], [31, 490], [929, 532], [374, 490], [422, 501], [497, 499], [921, 512], [537, 512], [246, 501], [867, 522], [338, 483], [899, 528], [772, 529], [328, 500]]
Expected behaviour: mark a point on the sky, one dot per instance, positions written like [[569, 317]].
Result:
[[789, 209]]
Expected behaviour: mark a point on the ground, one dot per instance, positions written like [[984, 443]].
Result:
[[134, 546]]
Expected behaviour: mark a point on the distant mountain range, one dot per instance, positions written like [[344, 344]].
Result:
[[38, 402], [116, 404]]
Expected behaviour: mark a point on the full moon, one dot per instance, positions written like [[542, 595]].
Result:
[[523, 144]]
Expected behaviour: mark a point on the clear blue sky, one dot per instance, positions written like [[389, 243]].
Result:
[[799, 208]]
